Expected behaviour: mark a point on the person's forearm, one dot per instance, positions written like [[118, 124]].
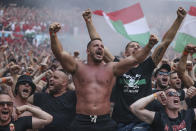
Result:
[[181, 70], [108, 57], [91, 30], [39, 113], [143, 102], [38, 78], [170, 34], [167, 39], [143, 53], [181, 67], [56, 46]]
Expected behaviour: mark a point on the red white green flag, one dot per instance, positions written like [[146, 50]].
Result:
[[187, 32], [129, 22]]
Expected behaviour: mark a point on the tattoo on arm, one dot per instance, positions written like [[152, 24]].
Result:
[[158, 56]]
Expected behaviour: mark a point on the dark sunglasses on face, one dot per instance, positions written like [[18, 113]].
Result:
[[8, 103], [171, 93], [24, 83], [164, 73]]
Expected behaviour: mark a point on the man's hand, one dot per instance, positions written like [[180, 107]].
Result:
[[9, 81], [190, 48], [87, 15], [191, 92], [181, 12], [153, 40], [14, 69], [54, 27], [49, 73], [161, 96], [21, 109]]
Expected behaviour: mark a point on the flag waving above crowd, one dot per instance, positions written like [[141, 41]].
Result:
[[129, 22], [187, 32]]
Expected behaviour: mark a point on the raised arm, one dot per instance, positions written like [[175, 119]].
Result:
[[138, 109], [87, 15], [181, 67], [125, 64], [66, 60], [40, 118], [158, 53]]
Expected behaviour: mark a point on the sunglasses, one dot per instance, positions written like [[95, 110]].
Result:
[[24, 83], [163, 73], [8, 103], [171, 93]]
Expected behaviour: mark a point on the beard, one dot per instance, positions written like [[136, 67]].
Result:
[[158, 83], [96, 60], [53, 92]]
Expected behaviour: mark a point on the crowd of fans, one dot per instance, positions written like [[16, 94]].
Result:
[[32, 77]]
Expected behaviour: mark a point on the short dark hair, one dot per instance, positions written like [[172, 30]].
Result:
[[130, 43], [92, 41], [173, 72]]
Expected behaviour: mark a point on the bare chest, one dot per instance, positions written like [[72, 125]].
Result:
[[100, 75]]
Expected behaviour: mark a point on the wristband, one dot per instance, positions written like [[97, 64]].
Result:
[[155, 96], [185, 53], [52, 33]]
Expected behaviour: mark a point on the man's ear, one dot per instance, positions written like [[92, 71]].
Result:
[[87, 51]]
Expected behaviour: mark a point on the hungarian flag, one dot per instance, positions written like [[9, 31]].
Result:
[[129, 22], [187, 32]]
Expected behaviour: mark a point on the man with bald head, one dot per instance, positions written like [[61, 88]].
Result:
[[59, 102]]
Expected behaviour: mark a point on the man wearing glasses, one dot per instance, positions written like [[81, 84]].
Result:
[[169, 119], [161, 76], [23, 123]]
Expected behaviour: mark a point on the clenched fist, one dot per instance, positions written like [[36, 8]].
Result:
[[54, 27], [87, 15], [190, 48], [153, 40], [21, 109], [181, 12]]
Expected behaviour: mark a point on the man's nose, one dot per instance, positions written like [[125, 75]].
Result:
[[5, 105]]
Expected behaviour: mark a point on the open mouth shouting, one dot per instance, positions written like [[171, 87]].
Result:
[[165, 81], [5, 114], [26, 92], [176, 101], [99, 53]]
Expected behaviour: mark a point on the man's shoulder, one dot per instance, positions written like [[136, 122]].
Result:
[[70, 95], [40, 97], [41, 94]]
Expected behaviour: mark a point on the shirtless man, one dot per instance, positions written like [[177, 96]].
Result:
[[94, 81]]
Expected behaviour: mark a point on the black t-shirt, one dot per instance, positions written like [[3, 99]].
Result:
[[183, 122], [131, 86], [22, 124], [62, 109]]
